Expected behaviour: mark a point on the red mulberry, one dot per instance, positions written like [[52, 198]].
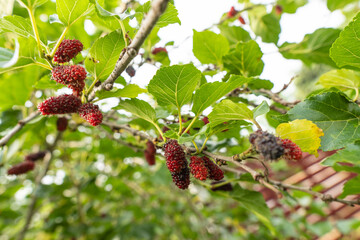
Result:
[[198, 168], [61, 124], [278, 10], [68, 49], [242, 20], [35, 156], [73, 76], [60, 105], [181, 178], [291, 150], [158, 50], [269, 146], [175, 156], [150, 153], [91, 113], [232, 12], [205, 120], [214, 172], [21, 168]]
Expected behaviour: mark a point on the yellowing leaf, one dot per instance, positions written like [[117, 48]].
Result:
[[304, 133], [340, 78]]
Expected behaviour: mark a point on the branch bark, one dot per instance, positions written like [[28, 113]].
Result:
[[18, 127], [157, 8]]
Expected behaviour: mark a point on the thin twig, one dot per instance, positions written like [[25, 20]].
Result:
[[31, 210], [157, 8], [286, 85], [276, 98], [18, 127]]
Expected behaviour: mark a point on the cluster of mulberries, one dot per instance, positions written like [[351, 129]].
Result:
[[177, 164], [291, 150], [27, 165], [72, 76], [203, 168], [269, 146], [150, 152], [68, 49]]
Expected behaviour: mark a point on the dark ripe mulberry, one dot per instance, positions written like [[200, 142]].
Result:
[[198, 168], [205, 120], [130, 71], [21, 168], [214, 171], [68, 49], [232, 12], [62, 104], [291, 150], [269, 146], [150, 153], [159, 50], [35, 156], [175, 156], [91, 113], [226, 187], [61, 124], [181, 178]]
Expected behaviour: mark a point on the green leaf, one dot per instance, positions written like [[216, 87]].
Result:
[[351, 187], [255, 203], [261, 109], [343, 79], [338, 4], [209, 47], [69, 11], [170, 15], [345, 50], [16, 24], [314, 48], [5, 56], [174, 85], [209, 93], [129, 91], [103, 55], [227, 110], [138, 108], [290, 6], [257, 83], [302, 132], [245, 59], [266, 26], [234, 34], [350, 154], [337, 116]]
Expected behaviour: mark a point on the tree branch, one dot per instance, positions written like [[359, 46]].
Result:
[[31, 210], [157, 8], [18, 127], [273, 185]]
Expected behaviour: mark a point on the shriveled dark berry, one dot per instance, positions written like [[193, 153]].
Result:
[[35, 156], [91, 113], [291, 150], [198, 168], [175, 156], [181, 178], [232, 12], [269, 146], [130, 71], [62, 104], [67, 50], [205, 120], [21, 168]]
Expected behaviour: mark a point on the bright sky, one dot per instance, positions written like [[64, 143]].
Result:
[[201, 14]]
